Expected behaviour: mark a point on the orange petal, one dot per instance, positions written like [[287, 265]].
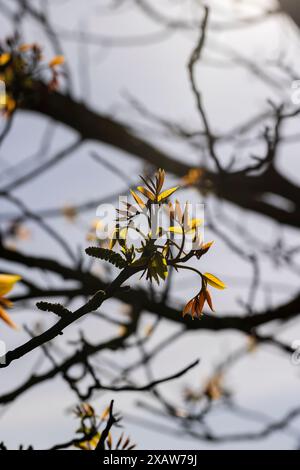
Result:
[[200, 304], [5, 317], [209, 300], [187, 309]]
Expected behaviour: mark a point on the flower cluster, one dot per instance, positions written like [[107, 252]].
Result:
[[21, 66], [165, 236]]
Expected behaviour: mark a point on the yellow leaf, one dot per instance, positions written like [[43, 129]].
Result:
[[117, 236], [175, 230], [214, 281], [159, 265], [113, 239], [167, 193], [138, 200], [7, 282], [146, 193], [195, 223], [57, 60], [206, 246], [123, 233], [4, 58], [2, 96]]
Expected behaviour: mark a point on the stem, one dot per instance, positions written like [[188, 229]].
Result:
[[93, 304], [190, 269]]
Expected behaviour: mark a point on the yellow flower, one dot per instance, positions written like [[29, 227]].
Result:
[[7, 282]]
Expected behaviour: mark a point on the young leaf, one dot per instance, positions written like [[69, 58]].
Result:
[[214, 281], [177, 229], [167, 193], [7, 282], [146, 193], [138, 200]]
